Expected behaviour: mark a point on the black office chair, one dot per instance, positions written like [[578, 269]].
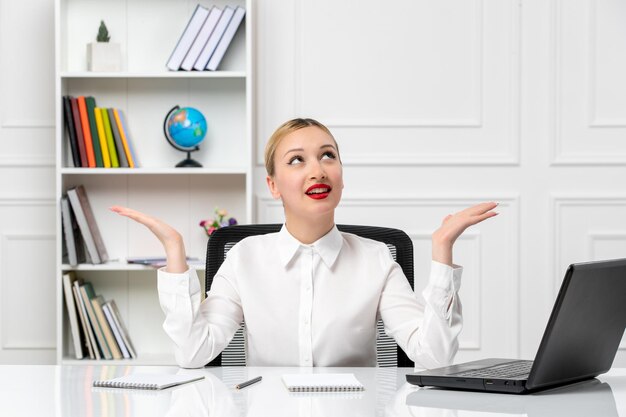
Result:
[[389, 354]]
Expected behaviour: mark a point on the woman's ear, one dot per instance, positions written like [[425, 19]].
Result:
[[271, 184]]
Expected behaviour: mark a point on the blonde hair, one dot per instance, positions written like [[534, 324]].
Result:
[[284, 130]]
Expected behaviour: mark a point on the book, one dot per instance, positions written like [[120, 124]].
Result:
[[106, 160], [116, 332], [117, 318], [68, 280], [120, 130], [84, 122], [79, 133], [201, 39], [126, 131], [147, 381], [87, 224], [107, 332], [87, 293], [189, 35], [71, 234], [226, 38], [214, 39], [71, 132], [90, 337], [110, 141], [119, 146], [157, 261], [322, 382], [95, 135]]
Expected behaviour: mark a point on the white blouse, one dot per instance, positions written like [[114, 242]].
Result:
[[312, 305]]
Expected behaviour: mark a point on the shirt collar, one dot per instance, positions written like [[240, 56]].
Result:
[[328, 246]]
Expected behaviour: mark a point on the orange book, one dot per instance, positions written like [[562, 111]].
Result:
[[129, 157], [84, 120]]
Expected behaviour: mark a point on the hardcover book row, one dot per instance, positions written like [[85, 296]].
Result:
[[98, 137], [206, 38], [96, 324]]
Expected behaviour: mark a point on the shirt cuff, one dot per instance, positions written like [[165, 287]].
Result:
[[179, 284], [445, 277]]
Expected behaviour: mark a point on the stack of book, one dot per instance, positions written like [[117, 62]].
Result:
[[81, 235], [97, 328], [206, 38], [99, 137]]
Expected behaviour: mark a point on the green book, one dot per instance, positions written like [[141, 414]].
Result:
[[91, 105], [87, 293], [110, 141]]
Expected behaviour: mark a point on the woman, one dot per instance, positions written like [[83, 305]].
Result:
[[310, 294]]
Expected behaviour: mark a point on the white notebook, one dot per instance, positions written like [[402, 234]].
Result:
[[147, 381], [322, 383]]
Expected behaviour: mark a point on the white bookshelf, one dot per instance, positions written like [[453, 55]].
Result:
[[145, 91]]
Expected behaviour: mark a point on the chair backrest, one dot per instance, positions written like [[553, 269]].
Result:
[[400, 245]]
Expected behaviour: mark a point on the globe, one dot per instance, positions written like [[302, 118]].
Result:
[[184, 129]]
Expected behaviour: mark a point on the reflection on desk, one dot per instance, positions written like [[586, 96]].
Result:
[[590, 398], [66, 391], [215, 395]]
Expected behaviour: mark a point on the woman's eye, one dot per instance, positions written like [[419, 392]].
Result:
[[328, 155], [295, 160]]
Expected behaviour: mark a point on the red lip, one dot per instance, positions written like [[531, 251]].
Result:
[[318, 196]]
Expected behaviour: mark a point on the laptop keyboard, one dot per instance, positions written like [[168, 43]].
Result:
[[508, 370]]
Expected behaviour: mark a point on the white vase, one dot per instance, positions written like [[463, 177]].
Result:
[[104, 57]]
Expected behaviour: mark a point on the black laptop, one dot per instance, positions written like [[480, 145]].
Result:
[[580, 342]]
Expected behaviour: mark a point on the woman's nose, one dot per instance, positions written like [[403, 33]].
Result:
[[317, 171]]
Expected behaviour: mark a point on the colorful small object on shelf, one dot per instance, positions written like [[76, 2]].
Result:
[[185, 128], [211, 225]]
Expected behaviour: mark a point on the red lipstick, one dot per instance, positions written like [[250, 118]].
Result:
[[318, 191]]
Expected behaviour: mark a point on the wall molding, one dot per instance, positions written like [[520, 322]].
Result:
[[593, 120], [27, 161], [5, 239], [558, 157], [508, 156], [557, 202]]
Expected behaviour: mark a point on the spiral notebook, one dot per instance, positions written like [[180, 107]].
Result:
[[147, 381], [322, 383]]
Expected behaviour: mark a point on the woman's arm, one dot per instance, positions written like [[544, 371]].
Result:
[[199, 329], [171, 240]]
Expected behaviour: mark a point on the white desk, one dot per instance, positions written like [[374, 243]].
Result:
[[65, 391]]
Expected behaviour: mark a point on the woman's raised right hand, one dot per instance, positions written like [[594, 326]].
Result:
[[169, 237]]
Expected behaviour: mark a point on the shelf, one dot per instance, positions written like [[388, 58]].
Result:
[[142, 360], [149, 74], [121, 266], [153, 171], [144, 91]]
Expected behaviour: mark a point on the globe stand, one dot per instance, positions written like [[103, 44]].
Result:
[[188, 162]]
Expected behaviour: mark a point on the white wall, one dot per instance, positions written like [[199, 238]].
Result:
[[436, 106]]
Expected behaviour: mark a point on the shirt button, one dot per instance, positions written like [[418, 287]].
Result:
[[308, 288], [306, 321]]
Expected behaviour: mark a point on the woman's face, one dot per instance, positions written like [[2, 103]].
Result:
[[308, 175]]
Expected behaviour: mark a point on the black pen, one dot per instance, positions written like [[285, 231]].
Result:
[[252, 381]]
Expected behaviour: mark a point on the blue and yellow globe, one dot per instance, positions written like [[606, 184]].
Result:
[[187, 127], [184, 129]]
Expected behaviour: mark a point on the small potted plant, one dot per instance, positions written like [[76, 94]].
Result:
[[102, 55]]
